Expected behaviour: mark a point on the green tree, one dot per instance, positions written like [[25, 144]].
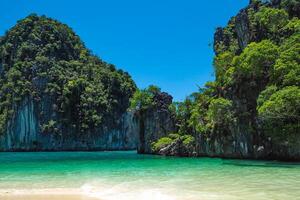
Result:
[[256, 61], [271, 20], [220, 113], [223, 63], [287, 67], [282, 105], [143, 99], [280, 114]]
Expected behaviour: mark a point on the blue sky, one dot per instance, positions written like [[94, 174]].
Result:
[[161, 42]]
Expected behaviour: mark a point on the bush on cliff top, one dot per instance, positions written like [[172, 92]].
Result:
[[151, 97], [184, 141]]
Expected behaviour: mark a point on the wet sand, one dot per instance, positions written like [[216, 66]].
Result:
[[46, 197], [56, 194]]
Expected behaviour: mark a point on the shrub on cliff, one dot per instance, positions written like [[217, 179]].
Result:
[[143, 99], [287, 67], [182, 143], [280, 113], [271, 20], [150, 98], [220, 113], [161, 143]]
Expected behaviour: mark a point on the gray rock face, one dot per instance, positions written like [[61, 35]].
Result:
[[237, 146], [242, 29], [177, 148], [24, 134], [238, 143], [152, 125], [242, 32], [25, 125]]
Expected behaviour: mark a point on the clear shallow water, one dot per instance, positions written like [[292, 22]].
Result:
[[127, 175]]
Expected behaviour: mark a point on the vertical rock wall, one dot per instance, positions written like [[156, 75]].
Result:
[[24, 134], [152, 125]]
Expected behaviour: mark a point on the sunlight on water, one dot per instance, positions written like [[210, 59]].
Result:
[[128, 176]]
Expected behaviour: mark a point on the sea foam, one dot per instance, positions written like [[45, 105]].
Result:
[[125, 191]]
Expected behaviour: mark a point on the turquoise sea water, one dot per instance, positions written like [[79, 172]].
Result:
[[127, 175]]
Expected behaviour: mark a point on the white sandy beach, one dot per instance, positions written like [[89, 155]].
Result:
[[44, 194]]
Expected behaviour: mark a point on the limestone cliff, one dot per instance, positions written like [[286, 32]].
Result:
[[152, 125], [154, 122], [23, 134], [56, 95], [226, 118]]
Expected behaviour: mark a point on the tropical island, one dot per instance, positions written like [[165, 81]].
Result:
[[56, 95]]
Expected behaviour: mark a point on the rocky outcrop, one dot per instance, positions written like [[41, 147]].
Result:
[[153, 124], [25, 125], [246, 140], [237, 145], [56, 95], [242, 29], [178, 148], [24, 134]]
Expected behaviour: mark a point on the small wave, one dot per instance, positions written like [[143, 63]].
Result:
[[125, 191]]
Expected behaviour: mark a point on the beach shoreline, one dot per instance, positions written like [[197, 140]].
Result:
[[46, 197], [45, 194]]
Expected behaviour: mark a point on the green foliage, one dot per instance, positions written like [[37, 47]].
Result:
[[43, 59], [291, 6], [282, 105], [257, 76], [182, 114], [223, 64], [291, 28], [287, 66], [271, 20], [198, 119], [185, 139], [256, 60], [161, 143], [220, 113], [280, 113], [40, 36], [191, 114], [174, 136], [3, 119], [188, 140], [151, 98], [143, 99], [49, 127], [266, 94]]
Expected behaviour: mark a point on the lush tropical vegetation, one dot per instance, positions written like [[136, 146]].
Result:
[[43, 60], [257, 83], [256, 90]]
